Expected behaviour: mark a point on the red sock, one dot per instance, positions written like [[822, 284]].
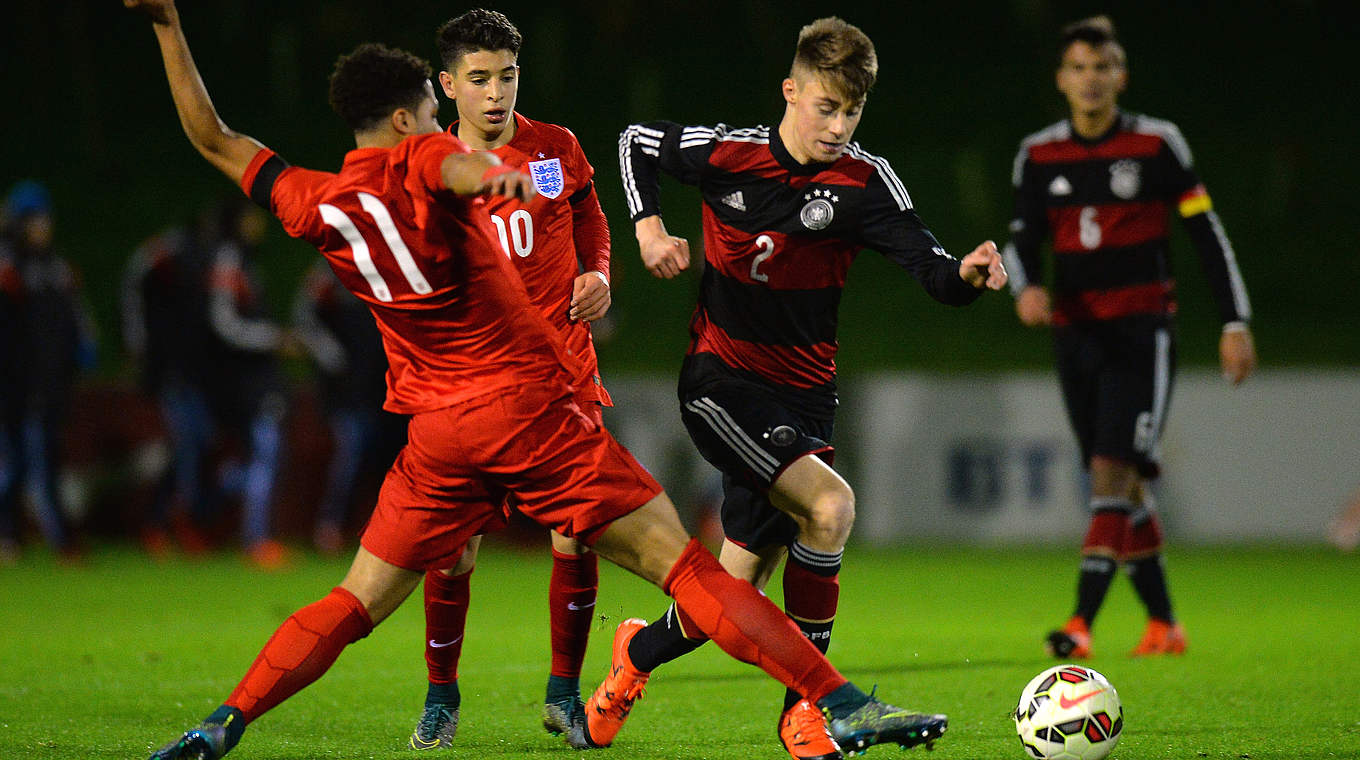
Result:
[[1144, 538], [300, 650], [1107, 533], [446, 609], [747, 625], [811, 599], [571, 605]]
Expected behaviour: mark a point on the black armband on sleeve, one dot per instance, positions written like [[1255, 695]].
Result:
[[581, 194], [262, 189]]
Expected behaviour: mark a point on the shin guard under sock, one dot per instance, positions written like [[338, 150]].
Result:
[[811, 594], [446, 609], [571, 607], [747, 625], [1104, 540], [1143, 559], [302, 649]]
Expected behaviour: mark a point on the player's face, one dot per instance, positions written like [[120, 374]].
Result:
[[1092, 77], [427, 113], [822, 119], [484, 85]]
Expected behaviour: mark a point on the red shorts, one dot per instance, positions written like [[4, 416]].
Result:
[[532, 446]]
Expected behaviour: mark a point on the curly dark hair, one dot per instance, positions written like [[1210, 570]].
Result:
[[373, 81], [478, 29], [839, 51], [1095, 31]]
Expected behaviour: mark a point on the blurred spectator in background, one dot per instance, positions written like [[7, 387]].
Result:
[[46, 339], [339, 333], [165, 328], [245, 388]]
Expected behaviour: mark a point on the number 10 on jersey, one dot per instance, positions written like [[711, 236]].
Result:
[[517, 231]]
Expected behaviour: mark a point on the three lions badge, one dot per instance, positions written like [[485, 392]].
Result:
[[547, 176]]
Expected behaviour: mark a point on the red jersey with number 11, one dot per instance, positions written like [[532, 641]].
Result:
[[456, 321]]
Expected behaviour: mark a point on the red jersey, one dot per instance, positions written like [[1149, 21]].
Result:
[[557, 235], [456, 322]]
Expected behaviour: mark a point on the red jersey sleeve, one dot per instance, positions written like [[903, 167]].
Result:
[[426, 158], [287, 192], [590, 228]]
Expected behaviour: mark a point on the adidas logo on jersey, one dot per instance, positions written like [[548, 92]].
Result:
[[1060, 186], [735, 200]]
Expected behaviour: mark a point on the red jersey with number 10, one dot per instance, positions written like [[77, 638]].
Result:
[[456, 321], [539, 237]]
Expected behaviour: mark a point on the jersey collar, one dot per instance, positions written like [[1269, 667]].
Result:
[[786, 160]]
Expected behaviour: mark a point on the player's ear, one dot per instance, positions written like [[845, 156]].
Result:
[[403, 121], [446, 82], [790, 90]]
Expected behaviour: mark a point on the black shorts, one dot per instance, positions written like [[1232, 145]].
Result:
[[750, 436], [1116, 382]]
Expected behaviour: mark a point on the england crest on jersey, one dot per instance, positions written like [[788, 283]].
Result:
[[1125, 179], [547, 175]]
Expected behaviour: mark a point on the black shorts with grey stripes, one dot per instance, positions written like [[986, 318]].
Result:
[[750, 436]]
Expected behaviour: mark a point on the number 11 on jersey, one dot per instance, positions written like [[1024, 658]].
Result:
[[363, 257]]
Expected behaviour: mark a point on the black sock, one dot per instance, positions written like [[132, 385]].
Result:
[[443, 694], [234, 721], [561, 687], [1094, 581], [1149, 580], [844, 700], [662, 641]]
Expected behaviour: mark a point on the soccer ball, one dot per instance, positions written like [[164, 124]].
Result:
[[1069, 713]]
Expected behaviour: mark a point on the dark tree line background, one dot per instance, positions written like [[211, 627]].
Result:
[[1261, 90]]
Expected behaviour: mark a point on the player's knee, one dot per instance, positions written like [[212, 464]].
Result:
[[832, 516], [1112, 477]]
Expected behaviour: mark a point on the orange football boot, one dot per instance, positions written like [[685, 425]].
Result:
[[609, 706], [802, 729], [1160, 637], [1072, 642]]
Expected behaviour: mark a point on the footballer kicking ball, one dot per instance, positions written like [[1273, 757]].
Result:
[[1069, 713]]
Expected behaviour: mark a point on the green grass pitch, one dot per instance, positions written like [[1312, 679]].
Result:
[[112, 659]]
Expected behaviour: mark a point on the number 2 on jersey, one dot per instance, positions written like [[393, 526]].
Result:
[[363, 257], [766, 245]]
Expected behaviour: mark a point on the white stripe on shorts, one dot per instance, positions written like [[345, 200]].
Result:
[[727, 429]]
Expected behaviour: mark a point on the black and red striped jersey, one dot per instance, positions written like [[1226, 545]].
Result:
[[779, 238], [1106, 204]]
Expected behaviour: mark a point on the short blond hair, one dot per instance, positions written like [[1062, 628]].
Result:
[[840, 53]]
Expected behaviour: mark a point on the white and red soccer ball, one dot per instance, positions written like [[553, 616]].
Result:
[[1069, 712]]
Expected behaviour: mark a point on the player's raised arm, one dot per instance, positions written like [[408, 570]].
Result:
[[481, 173], [224, 148]]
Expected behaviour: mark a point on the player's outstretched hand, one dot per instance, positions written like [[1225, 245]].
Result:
[[590, 297], [160, 11], [1237, 354], [1033, 307], [983, 268], [508, 183]]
